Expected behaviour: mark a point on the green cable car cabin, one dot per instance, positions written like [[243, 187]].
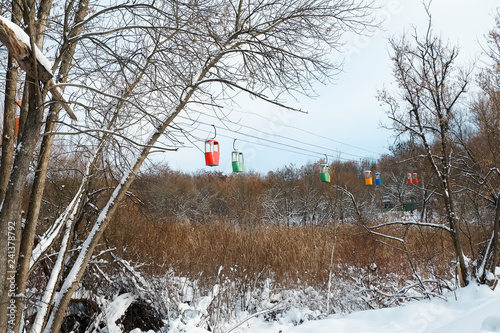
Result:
[[324, 170], [237, 160]]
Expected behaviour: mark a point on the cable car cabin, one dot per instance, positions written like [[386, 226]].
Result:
[[414, 179], [16, 127], [378, 180], [368, 177], [237, 160], [409, 178], [212, 152], [324, 170], [16, 123]]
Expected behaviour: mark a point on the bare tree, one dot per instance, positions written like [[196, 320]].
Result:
[[246, 46], [133, 68], [481, 160], [426, 109]]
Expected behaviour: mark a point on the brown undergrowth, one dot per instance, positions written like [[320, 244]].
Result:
[[287, 254]]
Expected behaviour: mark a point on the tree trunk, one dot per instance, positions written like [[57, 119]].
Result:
[[7, 160], [74, 276], [11, 208], [29, 231], [8, 141], [9, 138], [491, 255]]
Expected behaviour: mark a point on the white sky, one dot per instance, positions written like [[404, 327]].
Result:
[[346, 114]]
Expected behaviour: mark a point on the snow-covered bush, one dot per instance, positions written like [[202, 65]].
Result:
[[128, 300]]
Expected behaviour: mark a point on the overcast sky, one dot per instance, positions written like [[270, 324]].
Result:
[[345, 119]]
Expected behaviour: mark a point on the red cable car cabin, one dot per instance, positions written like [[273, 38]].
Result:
[[409, 178], [212, 152], [414, 179]]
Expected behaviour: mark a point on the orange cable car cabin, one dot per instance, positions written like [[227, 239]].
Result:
[[368, 177], [212, 152], [16, 121], [16, 127]]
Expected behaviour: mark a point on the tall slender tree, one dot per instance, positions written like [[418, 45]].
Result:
[[133, 67], [425, 109]]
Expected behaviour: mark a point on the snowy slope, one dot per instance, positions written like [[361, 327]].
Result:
[[475, 309]]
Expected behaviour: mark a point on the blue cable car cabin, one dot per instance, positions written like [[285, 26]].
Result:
[[237, 160], [378, 180]]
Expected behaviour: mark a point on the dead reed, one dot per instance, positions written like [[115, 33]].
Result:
[[287, 254]]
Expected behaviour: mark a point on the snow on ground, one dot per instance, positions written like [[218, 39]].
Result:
[[475, 309]]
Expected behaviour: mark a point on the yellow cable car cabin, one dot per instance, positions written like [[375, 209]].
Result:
[[368, 177]]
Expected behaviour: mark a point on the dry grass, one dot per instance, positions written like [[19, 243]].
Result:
[[288, 254]]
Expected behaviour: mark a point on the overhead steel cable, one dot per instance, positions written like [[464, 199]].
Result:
[[276, 135], [269, 146], [305, 131], [303, 151]]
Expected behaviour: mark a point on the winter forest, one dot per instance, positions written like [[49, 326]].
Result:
[[97, 237]]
